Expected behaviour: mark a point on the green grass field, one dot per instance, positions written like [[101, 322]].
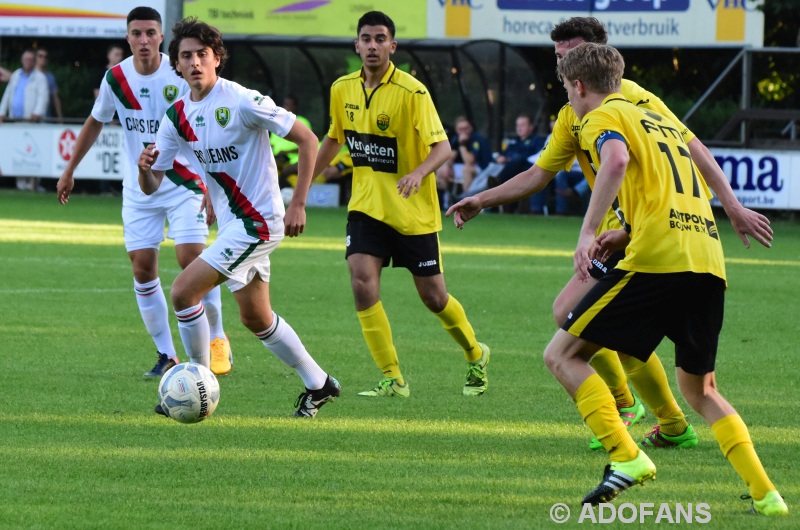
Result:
[[81, 447]]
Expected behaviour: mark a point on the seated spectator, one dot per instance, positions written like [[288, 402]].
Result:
[[514, 158], [471, 153], [572, 191], [285, 151], [339, 171]]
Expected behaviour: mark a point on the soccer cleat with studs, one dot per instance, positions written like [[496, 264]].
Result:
[[163, 363], [656, 439], [629, 416], [309, 402], [221, 356], [772, 504], [388, 388], [477, 380], [619, 476]]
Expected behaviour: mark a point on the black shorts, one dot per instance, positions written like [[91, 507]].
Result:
[[419, 254], [632, 312], [601, 268]]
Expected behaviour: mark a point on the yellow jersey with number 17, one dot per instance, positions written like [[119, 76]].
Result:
[[663, 196], [563, 146], [389, 131]]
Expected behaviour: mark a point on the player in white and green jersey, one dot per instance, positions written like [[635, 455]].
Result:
[[138, 90], [224, 129], [396, 141]]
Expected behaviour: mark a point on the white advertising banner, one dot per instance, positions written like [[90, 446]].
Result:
[[762, 180], [68, 18], [648, 23], [43, 150]]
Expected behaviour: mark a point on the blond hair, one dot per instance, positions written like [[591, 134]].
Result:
[[598, 66]]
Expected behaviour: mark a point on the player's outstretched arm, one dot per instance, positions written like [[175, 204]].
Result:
[[744, 220], [86, 139], [522, 185], [295, 219], [149, 179]]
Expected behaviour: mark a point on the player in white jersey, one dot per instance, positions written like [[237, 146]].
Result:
[[224, 128], [139, 90]]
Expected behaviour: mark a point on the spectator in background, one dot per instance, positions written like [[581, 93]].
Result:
[[285, 151], [25, 98], [54, 108], [5, 75], [516, 154], [470, 154], [114, 55], [572, 191]]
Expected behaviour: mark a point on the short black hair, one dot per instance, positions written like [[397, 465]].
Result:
[[587, 28], [144, 13], [375, 18], [191, 28]]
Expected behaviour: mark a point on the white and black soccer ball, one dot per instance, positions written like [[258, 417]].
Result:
[[286, 194], [189, 392]]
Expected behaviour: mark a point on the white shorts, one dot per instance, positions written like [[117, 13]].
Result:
[[144, 227], [240, 257]]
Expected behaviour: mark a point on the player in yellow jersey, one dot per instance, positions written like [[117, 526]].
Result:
[[396, 140], [650, 380], [671, 282]]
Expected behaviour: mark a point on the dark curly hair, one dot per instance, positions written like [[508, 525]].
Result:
[[587, 28], [191, 28]]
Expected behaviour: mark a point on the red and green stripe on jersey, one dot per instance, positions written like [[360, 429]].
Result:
[[177, 116], [181, 175], [122, 89], [254, 223]]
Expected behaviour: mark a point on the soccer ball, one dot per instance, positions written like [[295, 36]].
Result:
[[286, 194], [189, 392]]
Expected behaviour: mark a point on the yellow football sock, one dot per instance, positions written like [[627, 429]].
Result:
[[378, 334], [735, 443], [650, 381], [454, 320], [606, 363], [596, 407]]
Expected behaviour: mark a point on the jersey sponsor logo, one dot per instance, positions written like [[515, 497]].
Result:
[[170, 93], [142, 126], [144, 93], [382, 122], [223, 116], [259, 99], [216, 155], [352, 106], [691, 222], [376, 152], [199, 121]]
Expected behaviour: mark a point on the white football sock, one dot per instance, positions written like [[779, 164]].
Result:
[[193, 325], [282, 340], [212, 302], [155, 314]]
